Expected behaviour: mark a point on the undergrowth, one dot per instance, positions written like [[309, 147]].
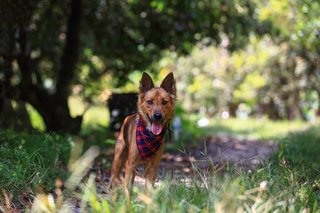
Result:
[[288, 182], [28, 162]]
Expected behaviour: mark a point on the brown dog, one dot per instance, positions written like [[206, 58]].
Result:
[[141, 136]]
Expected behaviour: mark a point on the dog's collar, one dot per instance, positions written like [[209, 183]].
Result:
[[148, 143]]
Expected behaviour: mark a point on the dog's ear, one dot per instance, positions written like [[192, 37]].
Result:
[[146, 83], [169, 84]]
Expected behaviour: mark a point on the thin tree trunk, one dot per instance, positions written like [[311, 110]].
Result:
[[232, 107]]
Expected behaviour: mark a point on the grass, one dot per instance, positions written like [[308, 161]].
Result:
[[289, 182], [29, 161], [96, 122], [95, 117], [253, 128]]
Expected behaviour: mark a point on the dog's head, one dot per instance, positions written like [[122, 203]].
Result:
[[156, 104]]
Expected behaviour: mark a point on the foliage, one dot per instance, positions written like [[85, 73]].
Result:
[[259, 57], [131, 43], [261, 79], [29, 161], [208, 85], [296, 29], [275, 74], [52, 46], [178, 24], [296, 20]]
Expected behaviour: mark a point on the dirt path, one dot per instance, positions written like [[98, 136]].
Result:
[[214, 154]]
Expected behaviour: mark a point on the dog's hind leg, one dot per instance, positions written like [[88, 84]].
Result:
[[129, 177], [120, 157]]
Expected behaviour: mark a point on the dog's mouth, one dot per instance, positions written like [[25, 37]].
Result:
[[156, 127]]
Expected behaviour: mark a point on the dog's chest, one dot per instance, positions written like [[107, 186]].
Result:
[[147, 143]]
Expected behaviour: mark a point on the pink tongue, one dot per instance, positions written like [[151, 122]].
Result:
[[156, 128]]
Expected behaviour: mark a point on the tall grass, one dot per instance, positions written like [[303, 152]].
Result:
[[288, 182], [29, 161]]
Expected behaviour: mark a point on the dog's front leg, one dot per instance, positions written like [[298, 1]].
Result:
[[151, 168], [151, 175]]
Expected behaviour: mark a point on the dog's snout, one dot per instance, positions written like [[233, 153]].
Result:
[[157, 116]]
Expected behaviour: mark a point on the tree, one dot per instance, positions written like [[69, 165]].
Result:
[[45, 44], [53, 107], [295, 26]]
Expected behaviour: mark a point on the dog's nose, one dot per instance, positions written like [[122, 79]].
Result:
[[157, 116]]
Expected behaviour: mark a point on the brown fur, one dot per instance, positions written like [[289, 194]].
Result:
[[126, 151]]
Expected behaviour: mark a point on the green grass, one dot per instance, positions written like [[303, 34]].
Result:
[[96, 121], [29, 161], [288, 182], [246, 128], [95, 117]]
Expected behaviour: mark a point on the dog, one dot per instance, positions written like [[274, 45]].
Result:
[[141, 137]]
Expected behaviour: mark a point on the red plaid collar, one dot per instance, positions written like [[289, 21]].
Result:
[[148, 144]]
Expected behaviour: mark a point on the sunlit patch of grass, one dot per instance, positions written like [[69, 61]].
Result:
[[35, 118], [253, 128], [256, 128], [76, 105], [94, 125], [95, 116]]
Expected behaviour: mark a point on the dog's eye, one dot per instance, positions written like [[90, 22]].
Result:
[[164, 102], [150, 102]]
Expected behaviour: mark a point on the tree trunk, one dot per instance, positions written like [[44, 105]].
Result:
[[318, 110], [53, 108], [273, 110], [12, 117], [58, 119], [233, 109]]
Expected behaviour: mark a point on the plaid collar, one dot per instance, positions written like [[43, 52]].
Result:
[[148, 144]]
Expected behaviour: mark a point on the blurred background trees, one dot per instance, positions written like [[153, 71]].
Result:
[[243, 57], [276, 74]]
